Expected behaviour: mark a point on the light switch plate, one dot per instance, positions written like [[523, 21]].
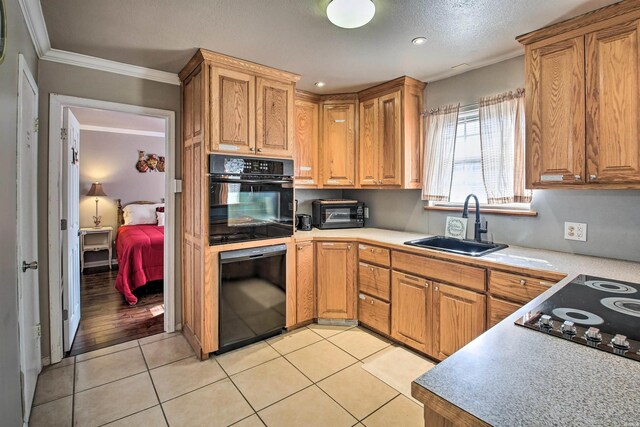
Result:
[[575, 231]]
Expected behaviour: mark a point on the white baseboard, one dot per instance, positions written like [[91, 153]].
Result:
[[102, 263]]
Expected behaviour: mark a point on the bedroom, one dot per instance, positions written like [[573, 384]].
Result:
[[121, 159]]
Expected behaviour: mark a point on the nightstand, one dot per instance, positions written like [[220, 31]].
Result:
[[94, 239]]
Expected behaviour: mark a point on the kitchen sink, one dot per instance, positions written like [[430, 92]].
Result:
[[462, 247]]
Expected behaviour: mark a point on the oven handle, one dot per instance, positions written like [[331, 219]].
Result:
[[251, 181]]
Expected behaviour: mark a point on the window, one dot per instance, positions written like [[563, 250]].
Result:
[[467, 164]]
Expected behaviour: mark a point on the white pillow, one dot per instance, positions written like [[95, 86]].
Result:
[[160, 216], [140, 214]]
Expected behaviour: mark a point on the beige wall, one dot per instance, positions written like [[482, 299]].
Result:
[[610, 214], [110, 158], [87, 83], [18, 41]]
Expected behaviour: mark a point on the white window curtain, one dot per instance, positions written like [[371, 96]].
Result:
[[440, 143], [502, 140]]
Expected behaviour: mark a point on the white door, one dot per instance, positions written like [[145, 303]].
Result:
[[29, 310], [70, 239]]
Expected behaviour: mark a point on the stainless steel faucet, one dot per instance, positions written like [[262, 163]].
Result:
[[478, 231]]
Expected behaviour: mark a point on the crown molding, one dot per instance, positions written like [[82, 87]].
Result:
[[86, 61], [125, 131], [32, 12]]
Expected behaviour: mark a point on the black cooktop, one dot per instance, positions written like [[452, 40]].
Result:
[[594, 311]]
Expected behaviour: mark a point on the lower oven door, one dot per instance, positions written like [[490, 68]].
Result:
[[252, 297], [249, 209]]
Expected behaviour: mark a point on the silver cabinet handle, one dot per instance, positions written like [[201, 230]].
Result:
[[593, 177], [523, 282], [259, 150], [435, 288], [33, 265], [426, 285], [578, 177]]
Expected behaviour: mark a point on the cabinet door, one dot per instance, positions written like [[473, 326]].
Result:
[[305, 282], [307, 117], [413, 136], [336, 269], [556, 114], [274, 118], [338, 145], [613, 110], [410, 311], [232, 111], [368, 170], [390, 143], [459, 318]]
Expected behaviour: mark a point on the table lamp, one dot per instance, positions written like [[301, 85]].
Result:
[[96, 191]]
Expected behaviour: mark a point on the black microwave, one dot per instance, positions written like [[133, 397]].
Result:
[[337, 213]]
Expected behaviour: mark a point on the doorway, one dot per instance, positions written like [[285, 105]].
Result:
[[116, 224]]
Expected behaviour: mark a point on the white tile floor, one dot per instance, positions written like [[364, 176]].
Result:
[[314, 376]]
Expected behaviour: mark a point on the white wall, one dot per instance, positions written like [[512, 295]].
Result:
[[612, 216]]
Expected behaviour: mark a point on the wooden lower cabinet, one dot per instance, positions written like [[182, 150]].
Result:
[[305, 282], [499, 309], [459, 317], [374, 313], [336, 268], [411, 302]]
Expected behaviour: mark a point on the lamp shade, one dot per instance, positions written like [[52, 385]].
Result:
[[96, 190], [350, 13]]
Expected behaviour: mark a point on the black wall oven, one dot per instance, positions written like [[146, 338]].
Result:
[[249, 198]]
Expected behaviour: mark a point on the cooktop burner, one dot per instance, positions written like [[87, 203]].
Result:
[[598, 312]]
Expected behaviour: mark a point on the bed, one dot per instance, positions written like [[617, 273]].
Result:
[[139, 247]]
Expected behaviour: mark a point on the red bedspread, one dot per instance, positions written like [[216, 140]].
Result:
[[140, 250]]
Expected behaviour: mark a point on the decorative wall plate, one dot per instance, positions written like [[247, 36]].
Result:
[[456, 227], [3, 30]]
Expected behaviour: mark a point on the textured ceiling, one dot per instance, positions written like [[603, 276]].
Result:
[[295, 35], [118, 120]]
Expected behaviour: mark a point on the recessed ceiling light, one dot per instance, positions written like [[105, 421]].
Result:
[[320, 84], [419, 40], [350, 13]]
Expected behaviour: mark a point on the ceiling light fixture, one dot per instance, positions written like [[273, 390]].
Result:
[[350, 13], [320, 84], [419, 41]]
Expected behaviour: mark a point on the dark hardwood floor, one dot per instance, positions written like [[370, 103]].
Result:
[[106, 317]]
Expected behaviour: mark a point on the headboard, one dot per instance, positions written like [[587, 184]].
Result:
[[120, 208]]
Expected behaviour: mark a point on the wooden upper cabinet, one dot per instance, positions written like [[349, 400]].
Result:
[[390, 141], [555, 113], [336, 280], [307, 121], [232, 111], [613, 111], [338, 145], [413, 128], [583, 100], [274, 118], [369, 143], [459, 317]]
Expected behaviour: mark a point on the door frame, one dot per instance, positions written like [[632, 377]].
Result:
[[23, 334], [56, 105]]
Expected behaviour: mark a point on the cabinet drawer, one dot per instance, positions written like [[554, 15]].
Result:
[[374, 281], [374, 313], [516, 288], [445, 271], [374, 254], [499, 310]]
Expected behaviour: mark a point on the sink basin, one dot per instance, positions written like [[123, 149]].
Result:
[[462, 247]]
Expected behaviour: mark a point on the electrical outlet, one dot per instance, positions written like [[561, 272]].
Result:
[[575, 231], [366, 213]]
